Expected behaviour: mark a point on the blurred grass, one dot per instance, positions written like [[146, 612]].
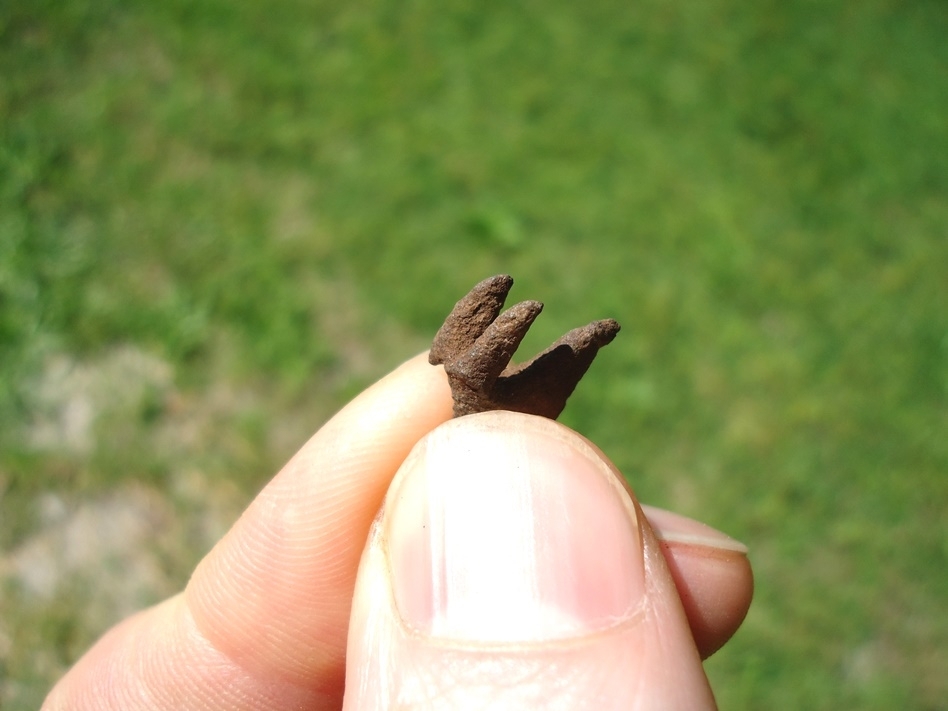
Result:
[[251, 211]]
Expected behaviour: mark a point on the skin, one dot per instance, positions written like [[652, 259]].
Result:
[[317, 565]]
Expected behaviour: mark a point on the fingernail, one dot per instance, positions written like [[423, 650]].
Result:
[[672, 528], [504, 527]]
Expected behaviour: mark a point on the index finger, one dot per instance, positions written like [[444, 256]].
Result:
[[262, 623], [276, 592]]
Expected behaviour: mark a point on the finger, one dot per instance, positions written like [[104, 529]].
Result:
[[262, 623], [712, 573], [509, 568]]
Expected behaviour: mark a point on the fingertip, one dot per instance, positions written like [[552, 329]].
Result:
[[712, 572], [715, 587], [439, 618]]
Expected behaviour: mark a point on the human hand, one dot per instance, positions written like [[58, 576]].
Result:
[[509, 567]]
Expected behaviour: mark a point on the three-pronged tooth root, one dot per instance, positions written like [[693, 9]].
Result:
[[477, 341]]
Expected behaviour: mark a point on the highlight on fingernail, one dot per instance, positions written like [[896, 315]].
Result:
[[505, 527]]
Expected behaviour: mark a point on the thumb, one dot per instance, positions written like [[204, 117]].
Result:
[[509, 568]]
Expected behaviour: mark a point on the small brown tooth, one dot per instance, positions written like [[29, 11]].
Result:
[[476, 343]]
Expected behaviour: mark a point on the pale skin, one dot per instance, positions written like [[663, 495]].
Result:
[[504, 564]]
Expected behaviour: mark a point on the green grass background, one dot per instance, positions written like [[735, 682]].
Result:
[[280, 201]]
